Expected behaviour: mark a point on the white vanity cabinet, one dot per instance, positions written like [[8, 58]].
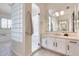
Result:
[[73, 48], [61, 45], [47, 43], [44, 42], [51, 43], [57, 45], [65, 46], [54, 44]]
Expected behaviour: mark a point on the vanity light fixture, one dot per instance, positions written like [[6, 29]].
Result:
[[61, 12], [56, 14]]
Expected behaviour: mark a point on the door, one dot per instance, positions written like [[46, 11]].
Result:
[[60, 45], [36, 25], [44, 42], [51, 43], [73, 48]]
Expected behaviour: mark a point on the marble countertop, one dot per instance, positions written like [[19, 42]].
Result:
[[64, 37]]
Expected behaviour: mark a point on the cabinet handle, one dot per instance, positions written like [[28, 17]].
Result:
[[46, 41], [68, 47], [53, 43], [72, 42], [56, 44]]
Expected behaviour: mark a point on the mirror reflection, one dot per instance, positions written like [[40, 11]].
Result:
[[62, 18]]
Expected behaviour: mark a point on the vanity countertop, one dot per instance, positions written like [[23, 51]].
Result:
[[64, 37]]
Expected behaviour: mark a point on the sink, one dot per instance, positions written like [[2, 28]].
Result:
[[66, 34]]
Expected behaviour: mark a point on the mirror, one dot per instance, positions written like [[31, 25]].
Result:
[[62, 17]]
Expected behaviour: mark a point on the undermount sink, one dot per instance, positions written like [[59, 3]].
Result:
[[66, 34]]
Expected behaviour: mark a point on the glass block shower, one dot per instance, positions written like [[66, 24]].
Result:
[[17, 22], [17, 30]]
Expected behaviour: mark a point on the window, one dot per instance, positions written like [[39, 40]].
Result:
[[5, 23], [9, 23]]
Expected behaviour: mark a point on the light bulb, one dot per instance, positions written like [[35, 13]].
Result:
[[61, 12], [56, 13]]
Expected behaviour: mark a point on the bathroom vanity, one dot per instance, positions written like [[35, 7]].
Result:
[[66, 45], [61, 30]]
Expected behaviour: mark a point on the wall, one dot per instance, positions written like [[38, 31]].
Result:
[[44, 15], [28, 28], [43, 19]]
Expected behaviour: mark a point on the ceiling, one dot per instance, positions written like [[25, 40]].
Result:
[[5, 10]]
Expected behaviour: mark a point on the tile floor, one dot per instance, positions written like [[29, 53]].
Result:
[[5, 50], [45, 52]]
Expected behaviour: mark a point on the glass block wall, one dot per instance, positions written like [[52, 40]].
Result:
[[17, 22]]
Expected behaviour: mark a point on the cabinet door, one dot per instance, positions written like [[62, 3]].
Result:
[[60, 46], [44, 42], [74, 48], [51, 43]]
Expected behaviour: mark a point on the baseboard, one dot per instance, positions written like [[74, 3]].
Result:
[[36, 51]]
